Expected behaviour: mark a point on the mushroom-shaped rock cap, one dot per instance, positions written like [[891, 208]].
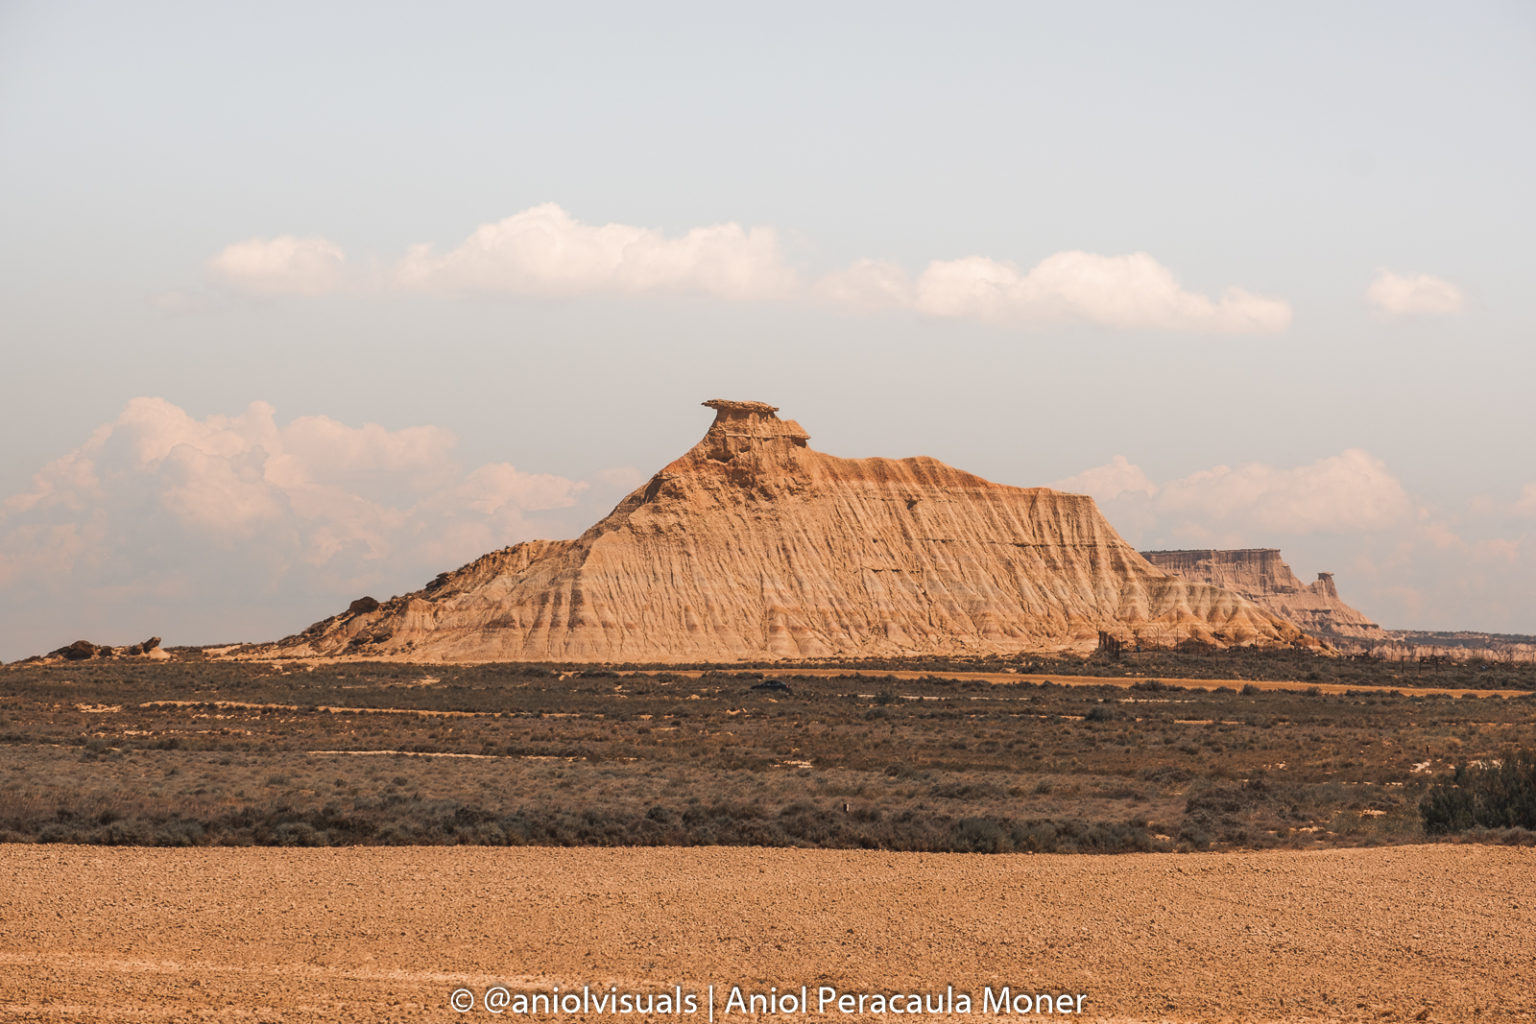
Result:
[[756, 420], [727, 407]]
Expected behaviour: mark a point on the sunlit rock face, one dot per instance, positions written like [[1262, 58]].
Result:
[[753, 545], [1262, 576]]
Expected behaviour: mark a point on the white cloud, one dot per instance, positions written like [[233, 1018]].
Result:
[[498, 487], [282, 265], [544, 251], [1350, 492], [1400, 561], [869, 285], [1410, 294], [237, 500], [1118, 477], [1133, 292]]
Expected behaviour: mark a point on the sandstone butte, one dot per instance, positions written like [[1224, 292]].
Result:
[[1262, 576], [754, 546]]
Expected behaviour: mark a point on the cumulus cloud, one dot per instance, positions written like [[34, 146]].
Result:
[[1413, 294], [1401, 560], [160, 501], [1349, 492], [1115, 478], [281, 265], [1352, 491], [545, 251], [1132, 291]]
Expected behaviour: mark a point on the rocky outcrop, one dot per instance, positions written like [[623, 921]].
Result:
[[1458, 645], [754, 546], [84, 650], [80, 650], [1262, 576]]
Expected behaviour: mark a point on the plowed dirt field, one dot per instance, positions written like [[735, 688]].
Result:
[[1435, 933]]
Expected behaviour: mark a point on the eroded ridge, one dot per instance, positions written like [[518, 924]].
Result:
[[753, 545]]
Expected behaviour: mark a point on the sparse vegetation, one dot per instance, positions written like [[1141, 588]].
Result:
[[1484, 794], [197, 752], [1246, 663]]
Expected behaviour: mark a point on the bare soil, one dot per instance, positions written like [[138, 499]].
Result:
[[1438, 933]]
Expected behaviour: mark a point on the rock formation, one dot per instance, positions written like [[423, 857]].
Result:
[[1262, 576], [755, 546], [1457, 645], [84, 650]]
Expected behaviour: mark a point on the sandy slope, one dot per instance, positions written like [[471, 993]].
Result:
[[1442, 933]]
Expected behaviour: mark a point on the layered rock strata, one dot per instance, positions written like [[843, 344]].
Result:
[[1262, 576], [755, 546]]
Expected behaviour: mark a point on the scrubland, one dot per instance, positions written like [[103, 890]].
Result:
[[198, 752]]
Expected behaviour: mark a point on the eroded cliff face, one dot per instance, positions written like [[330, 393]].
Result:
[[753, 545], [1262, 576]]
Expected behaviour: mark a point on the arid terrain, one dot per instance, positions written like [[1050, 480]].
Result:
[[1262, 576], [194, 752], [871, 828], [754, 545], [1442, 933]]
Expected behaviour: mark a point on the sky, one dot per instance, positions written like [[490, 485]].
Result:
[[306, 301]]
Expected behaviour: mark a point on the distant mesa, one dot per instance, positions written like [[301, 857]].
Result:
[[1261, 575], [754, 546]]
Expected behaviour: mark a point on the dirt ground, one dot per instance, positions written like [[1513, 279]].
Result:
[[1436, 933]]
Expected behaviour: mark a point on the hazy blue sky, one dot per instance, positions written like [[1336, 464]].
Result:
[[1252, 276]]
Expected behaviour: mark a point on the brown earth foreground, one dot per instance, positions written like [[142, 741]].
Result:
[[1436, 933]]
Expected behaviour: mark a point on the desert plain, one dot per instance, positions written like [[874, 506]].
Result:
[[1437, 933], [1236, 839]]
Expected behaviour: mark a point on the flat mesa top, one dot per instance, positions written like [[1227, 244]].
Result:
[[726, 405]]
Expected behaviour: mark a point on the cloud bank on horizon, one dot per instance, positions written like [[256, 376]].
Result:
[[544, 251], [1401, 560], [234, 522], [228, 525]]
